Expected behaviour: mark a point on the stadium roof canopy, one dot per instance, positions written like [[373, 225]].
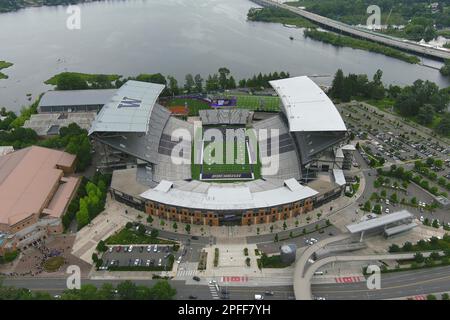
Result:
[[231, 197], [129, 109], [307, 107], [76, 97], [379, 222]]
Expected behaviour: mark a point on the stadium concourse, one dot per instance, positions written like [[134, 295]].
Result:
[[149, 150]]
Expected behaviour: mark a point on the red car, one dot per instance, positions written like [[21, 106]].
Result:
[[118, 249]]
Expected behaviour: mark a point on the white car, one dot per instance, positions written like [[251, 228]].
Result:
[[147, 263], [387, 210], [160, 262], [155, 249], [137, 262], [149, 248], [311, 261], [110, 249], [313, 240], [259, 297], [130, 249], [421, 219]]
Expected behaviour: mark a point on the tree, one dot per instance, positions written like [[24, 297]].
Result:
[[445, 296], [71, 81], [173, 85], [276, 237], [162, 290], [394, 248], [377, 208], [223, 77], [418, 257], [367, 206], [82, 217], [127, 290], [188, 228], [189, 84], [175, 226], [284, 225], [271, 228], [101, 246], [407, 247], [150, 219], [337, 87], [198, 83], [154, 233], [431, 297]]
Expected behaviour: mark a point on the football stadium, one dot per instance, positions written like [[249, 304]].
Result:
[[223, 160]]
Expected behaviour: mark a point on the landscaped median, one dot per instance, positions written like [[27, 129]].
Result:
[[271, 262], [136, 234]]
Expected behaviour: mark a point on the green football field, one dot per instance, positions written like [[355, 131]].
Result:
[[224, 168]]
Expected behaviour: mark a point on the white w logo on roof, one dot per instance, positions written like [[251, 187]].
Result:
[[129, 103]]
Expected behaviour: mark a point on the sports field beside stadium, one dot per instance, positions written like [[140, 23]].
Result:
[[260, 103], [194, 105]]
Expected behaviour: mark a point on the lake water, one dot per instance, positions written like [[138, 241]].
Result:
[[174, 37]]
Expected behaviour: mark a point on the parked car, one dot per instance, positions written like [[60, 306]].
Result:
[[196, 278], [192, 297], [130, 249], [269, 293], [259, 297], [149, 248], [160, 262], [155, 248], [118, 248]]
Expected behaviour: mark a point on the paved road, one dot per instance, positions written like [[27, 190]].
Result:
[[202, 292], [302, 285], [362, 33], [393, 285]]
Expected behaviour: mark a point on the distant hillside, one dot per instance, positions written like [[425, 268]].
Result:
[[13, 5]]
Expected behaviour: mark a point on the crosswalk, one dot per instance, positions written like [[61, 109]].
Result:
[[187, 270], [350, 279], [186, 273], [213, 291]]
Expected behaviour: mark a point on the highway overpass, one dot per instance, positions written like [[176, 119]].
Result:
[[402, 44]]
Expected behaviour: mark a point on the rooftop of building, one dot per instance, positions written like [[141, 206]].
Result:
[[89, 97], [307, 107], [27, 178]]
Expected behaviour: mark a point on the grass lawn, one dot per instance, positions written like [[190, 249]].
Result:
[[271, 262], [193, 105], [130, 236], [260, 103], [53, 264]]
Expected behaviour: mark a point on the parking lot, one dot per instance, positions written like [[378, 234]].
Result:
[[390, 138], [138, 256]]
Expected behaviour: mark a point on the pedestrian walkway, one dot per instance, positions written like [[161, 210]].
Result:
[[186, 270], [213, 290]]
